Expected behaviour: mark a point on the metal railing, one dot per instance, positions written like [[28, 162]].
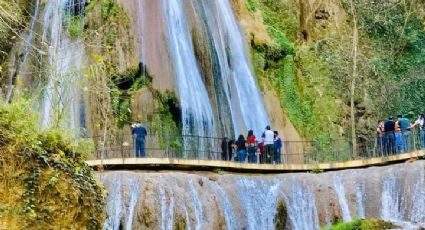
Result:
[[292, 152]]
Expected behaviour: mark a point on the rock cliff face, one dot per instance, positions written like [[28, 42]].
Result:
[[177, 200]]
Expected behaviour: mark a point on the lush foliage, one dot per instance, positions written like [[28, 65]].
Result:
[[312, 69], [296, 74], [44, 180], [396, 32], [11, 23], [362, 225], [75, 27]]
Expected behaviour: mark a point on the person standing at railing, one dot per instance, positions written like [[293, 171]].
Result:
[[241, 149], [398, 136], [421, 123], [389, 138], [404, 124], [231, 149], [139, 134], [224, 149], [277, 146], [380, 131], [250, 140], [261, 154], [268, 144]]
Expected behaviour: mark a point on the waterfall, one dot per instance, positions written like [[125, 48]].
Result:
[[197, 206], [360, 200], [229, 213], [114, 207], [240, 86], [167, 208], [301, 206], [117, 204], [418, 207], [340, 191], [251, 201], [197, 115], [391, 200], [61, 98], [134, 195], [17, 64], [258, 200]]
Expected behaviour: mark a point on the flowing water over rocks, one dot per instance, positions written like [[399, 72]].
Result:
[[178, 200], [62, 97], [206, 53]]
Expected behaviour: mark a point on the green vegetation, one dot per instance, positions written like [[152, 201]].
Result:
[[281, 217], [310, 65], [299, 79], [362, 225], [75, 27], [11, 23], [44, 180], [122, 98], [251, 5], [317, 170]]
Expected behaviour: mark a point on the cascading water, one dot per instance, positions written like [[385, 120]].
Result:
[[229, 213], [391, 200], [167, 208], [340, 191], [197, 115], [17, 64], [227, 109], [418, 208], [121, 206], [240, 87], [301, 205], [167, 200], [61, 99], [197, 206], [258, 200], [360, 200]]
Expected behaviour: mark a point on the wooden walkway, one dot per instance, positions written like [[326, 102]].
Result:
[[194, 165]]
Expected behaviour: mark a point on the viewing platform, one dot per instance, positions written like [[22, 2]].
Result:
[[205, 154], [201, 165]]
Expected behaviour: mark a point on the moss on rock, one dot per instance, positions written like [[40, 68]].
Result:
[[281, 217], [44, 180], [366, 224], [179, 222]]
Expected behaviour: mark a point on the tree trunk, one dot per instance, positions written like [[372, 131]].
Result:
[[304, 12], [353, 81]]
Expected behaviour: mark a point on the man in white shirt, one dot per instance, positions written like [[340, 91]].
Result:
[[268, 144]]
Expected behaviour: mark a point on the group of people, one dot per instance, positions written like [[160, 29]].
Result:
[[395, 134], [267, 148]]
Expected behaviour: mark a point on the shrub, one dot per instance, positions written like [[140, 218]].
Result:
[[43, 175]]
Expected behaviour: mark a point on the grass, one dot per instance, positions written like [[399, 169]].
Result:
[[365, 224]]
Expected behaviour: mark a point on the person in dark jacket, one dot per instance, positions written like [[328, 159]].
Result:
[[241, 149], [139, 134], [389, 137], [224, 150], [277, 146], [231, 149]]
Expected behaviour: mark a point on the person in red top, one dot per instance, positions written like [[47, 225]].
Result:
[[251, 147]]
